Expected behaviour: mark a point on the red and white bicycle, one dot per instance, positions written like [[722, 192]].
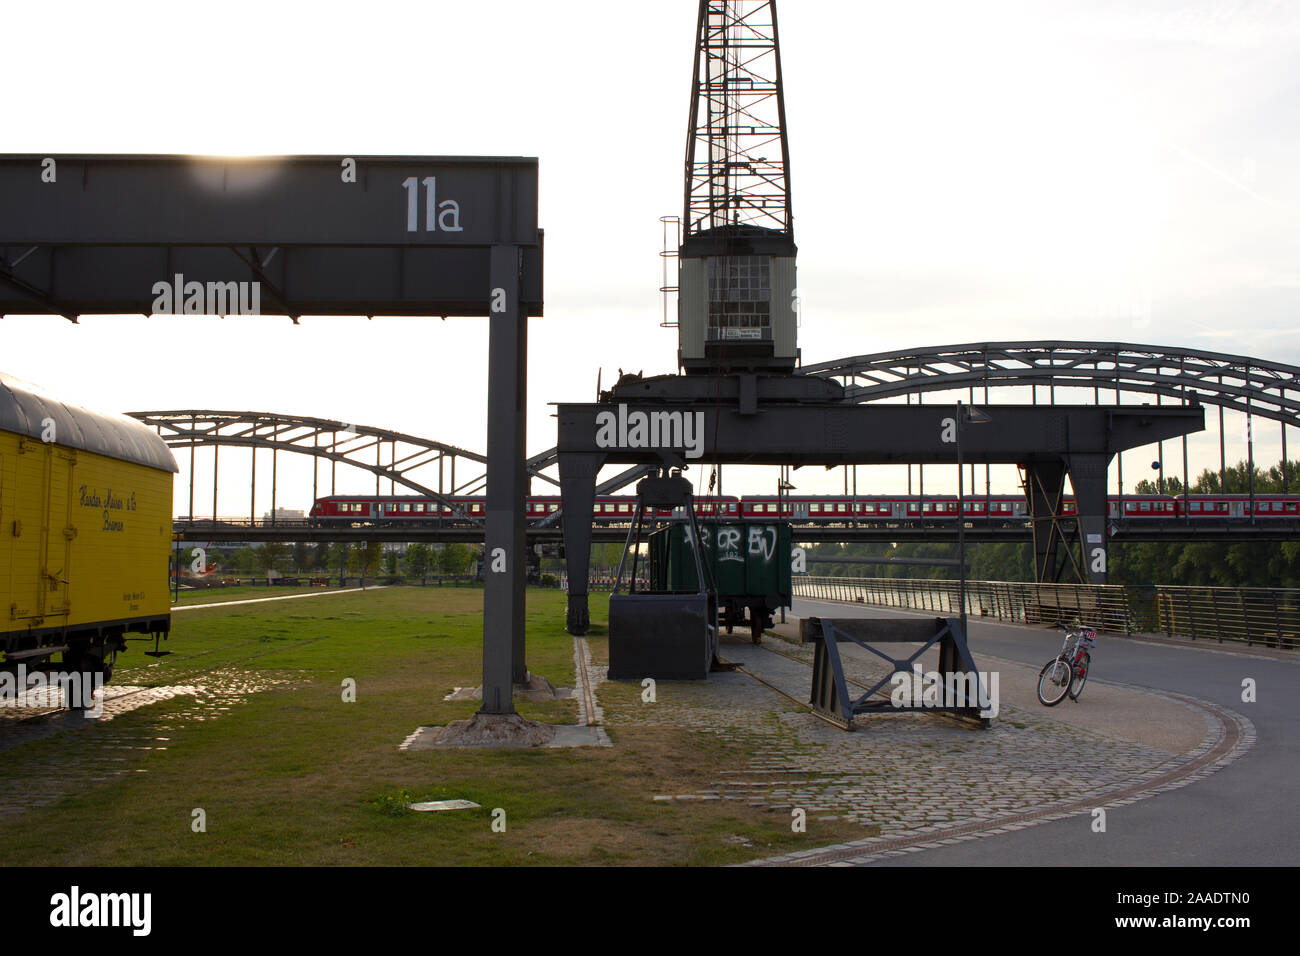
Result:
[[1066, 673]]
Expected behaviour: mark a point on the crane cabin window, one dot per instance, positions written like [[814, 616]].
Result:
[[740, 297]]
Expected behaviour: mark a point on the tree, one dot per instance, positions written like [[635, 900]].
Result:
[[271, 556], [323, 557], [455, 559], [418, 560], [369, 558]]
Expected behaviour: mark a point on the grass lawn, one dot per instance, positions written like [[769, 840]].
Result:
[[292, 774]]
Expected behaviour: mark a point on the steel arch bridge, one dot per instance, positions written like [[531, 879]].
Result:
[[1248, 385], [421, 465], [410, 461]]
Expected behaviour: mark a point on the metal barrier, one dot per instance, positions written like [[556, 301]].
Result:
[[1266, 616]]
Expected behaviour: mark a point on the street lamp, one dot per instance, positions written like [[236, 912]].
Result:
[[783, 487], [965, 414]]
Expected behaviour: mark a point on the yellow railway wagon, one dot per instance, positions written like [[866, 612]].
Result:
[[85, 531]]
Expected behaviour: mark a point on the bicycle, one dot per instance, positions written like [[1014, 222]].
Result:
[[1066, 673]]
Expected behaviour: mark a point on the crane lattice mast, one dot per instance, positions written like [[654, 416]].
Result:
[[736, 265]]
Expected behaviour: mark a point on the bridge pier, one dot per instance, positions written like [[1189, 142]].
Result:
[[578, 491], [1088, 478], [1065, 554]]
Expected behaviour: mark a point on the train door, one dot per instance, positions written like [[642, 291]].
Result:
[[1236, 508], [799, 509], [57, 564], [24, 478], [35, 500]]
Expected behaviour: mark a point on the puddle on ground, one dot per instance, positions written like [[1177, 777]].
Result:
[[105, 750]]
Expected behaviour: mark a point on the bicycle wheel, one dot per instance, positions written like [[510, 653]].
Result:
[[1079, 677], [1054, 682]]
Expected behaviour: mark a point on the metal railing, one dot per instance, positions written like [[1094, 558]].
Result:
[[1266, 616]]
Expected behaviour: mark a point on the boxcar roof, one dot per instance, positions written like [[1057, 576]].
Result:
[[24, 410]]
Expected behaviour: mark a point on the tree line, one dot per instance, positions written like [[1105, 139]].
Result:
[[417, 560]]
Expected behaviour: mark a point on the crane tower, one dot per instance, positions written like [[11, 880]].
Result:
[[736, 266]]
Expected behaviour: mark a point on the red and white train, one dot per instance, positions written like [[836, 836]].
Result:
[[813, 510]]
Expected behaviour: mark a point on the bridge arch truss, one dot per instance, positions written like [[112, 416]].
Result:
[[1253, 387], [420, 465]]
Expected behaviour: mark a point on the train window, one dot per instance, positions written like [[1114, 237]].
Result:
[[552, 507], [406, 507], [624, 509]]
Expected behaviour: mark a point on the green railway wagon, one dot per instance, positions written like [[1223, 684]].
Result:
[[85, 532], [749, 562]]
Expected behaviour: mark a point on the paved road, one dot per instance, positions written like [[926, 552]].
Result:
[[1245, 814]]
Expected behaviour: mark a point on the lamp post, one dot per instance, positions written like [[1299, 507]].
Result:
[[783, 487], [974, 416]]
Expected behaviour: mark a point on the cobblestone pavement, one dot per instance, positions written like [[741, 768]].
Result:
[[88, 750], [912, 775]]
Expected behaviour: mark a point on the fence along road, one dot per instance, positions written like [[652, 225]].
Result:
[[1251, 616]]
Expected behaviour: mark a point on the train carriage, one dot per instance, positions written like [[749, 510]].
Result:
[[85, 531]]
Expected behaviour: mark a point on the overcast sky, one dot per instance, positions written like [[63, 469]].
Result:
[[961, 172]]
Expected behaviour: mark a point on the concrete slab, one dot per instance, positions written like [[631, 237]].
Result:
[[560, 735]]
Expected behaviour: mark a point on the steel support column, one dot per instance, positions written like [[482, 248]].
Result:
[[1088, 478], [578, 496], [503, 551]]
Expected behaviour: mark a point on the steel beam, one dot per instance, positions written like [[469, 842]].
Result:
[[682, 432]]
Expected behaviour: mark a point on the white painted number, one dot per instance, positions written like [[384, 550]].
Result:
[[443, 215]]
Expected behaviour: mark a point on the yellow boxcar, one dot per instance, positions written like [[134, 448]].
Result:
[[85, 531]]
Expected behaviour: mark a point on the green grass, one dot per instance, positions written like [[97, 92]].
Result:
[[294, 775]]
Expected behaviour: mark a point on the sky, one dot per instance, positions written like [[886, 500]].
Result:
[[960, 173]]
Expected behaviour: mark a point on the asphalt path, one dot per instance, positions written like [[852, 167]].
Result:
[[1242, 815]]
